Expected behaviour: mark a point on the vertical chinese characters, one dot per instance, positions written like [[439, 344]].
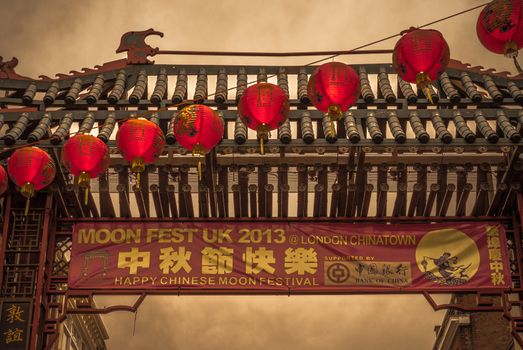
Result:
[[13, 324], [494, 256]]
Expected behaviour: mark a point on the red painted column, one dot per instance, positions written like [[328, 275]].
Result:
[[39, 297], [5, 232]]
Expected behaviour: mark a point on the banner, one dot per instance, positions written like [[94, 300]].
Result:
[[289, 256]]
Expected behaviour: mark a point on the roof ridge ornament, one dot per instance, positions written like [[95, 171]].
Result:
[[467, 67], [7, 69], [137, 49]]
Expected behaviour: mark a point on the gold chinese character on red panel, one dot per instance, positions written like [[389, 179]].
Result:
[[217, 261], [258, 260], [497, 278], [133, 260], [301, 261], [493, 242], [496, 266], [174, 260], [492, 231], [494, 254]]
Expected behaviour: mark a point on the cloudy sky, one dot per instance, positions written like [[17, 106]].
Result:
[[55, 36]]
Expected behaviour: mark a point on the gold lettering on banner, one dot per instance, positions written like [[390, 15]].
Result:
[[171, 260], [330, 240], [494, 252], [301, 261], [257, 235], [135, 280], [133, 260], [385, 239], [221, 280], [217, 261], [170, 235], [217, 236], [237, 281], [288, 281], [105, 235], [258, 260]]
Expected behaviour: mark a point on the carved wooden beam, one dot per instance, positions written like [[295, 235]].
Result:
[[243, 180], [106, 203], [223, 191], [283, 191], [172, 201], [303, 190], [253, 202], [434, 190], [182, 191], [123, 192]]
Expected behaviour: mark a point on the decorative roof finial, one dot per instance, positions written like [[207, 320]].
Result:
[[137, 49]]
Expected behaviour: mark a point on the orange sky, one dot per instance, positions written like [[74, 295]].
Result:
[[55, 36]]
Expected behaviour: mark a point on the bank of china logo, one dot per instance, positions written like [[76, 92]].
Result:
[[338, 273], [447, 257]]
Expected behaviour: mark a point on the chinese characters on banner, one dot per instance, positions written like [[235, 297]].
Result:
[[14, 324], [289, 256]]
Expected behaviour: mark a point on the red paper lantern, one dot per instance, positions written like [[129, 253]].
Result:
[[31, 169], [86, 157], [140, 142], [3, 180], [198, 128], [499, 27], [333, 88], [264, 107], [421, 56]]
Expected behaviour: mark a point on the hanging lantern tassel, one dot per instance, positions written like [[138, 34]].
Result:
[[27, 191], [423, 83], [516, 63], [335, 114], [263, 134], [511, 51], [199, 168], [83, 182], [138, 167], [199, 150]]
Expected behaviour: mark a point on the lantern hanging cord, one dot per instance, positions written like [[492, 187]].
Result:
[[332, 54], [99, 126], [336, 54], [516, 63], [86, 195], [27, 204], [340, 53], [399, 34]]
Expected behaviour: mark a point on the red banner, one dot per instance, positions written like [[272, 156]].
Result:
[[285, 256]]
